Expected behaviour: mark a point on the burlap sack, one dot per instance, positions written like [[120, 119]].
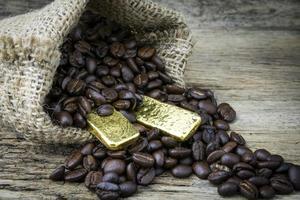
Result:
[[29, 57]]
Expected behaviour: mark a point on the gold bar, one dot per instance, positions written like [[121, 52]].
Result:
[[172, 120], [114, 131]]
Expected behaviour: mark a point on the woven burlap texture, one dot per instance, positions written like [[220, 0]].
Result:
[[29, 57]]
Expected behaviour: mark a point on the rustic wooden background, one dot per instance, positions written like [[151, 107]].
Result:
[[248, 52]]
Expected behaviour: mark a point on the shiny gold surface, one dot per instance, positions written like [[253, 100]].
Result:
[[114, 131], [170, 119]]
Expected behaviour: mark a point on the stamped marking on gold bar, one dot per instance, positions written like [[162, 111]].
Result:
[[172, 120], [114, 131]]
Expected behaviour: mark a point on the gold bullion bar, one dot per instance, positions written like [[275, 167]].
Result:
[[172, 120], [114, 131]]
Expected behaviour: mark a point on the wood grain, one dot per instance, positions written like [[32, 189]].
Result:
[[248, 52]]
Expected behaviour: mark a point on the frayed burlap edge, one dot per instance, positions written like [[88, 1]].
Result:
[[29, 57]]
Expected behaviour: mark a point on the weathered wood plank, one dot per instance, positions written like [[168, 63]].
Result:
[[248, 52]]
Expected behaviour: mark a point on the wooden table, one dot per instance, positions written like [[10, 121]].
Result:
[[248, 52]]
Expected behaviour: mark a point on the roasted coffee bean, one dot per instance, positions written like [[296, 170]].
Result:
[[85, 104], [281, 185], [71, 107], [259, 181], [208, 135], [128, 188], [237, 138], [284, 167], [248, 190], [275, 158], [110, 94], [131, 172], [198, 150], [63, 118], [91, 65], [222, 136], [95, 96], [268, 164], [108, 80], [182, 171], [234, 179], [115, 165], [158, 62], [75, 86], [294, 176], [266, 192], [105, 110], [219, 177], [201, 169], [186, 105], [159, 171], [245, 174], [76, 175], [79, 120], [111, 177], [58, 174], [154, 145], [249, 158], [174, 89], [140, 145], [226, 112], [159, 158], [175, 98], [117, 154], [87, 149], [127, 74], [143, 159], [146, 52], [228, 189], [154, 84], [241, 150], [153, 75], [165, 78], [109, 61], [150, 66], [207, 106], [117, 49], [130, 44], [196, 94], [126, 94], [215, 156], [179, 152], [108, 191], [102, 70], [141, 80], [222, 125], [169, 142], [262, 154], [115, 71], [99, 152], [145, 176], [154, 134], [217, 167], [74, 160], [230, 159], [213, 146], [92, 179], [96, 85], [265, 172], [242, 166], [229, 147], [170, 162], [90, 163]]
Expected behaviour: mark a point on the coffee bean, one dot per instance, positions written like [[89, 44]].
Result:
[[115, 71], [131, 172], [92, 179], [87, 149], [165, 78], [109, 61], [248, 190], [170, 162], [111, 177], [143, 159], [174, 89], [128, 189], [186, 161], [245, 174], [226, 112], [90, 163], [79, 120], [212, 146], [154, 145], [110, 94], [153, 75], [158, 62], [58, 174], [140, 145], [265, 172], [63, 118], [284, 167], [207, 106], [241, 150], [108, 80], [154, 84], [105, 110], [222, 125], [127, 74], [228, 189], [259, 181], [198, 150], [215, 156], [141, 80], [95, 96], [237, 138], [222, 136], [102, 70], [115, 165], [242, 166], [75, 86], [146, 52], [275, 158], [117, 154], [196, 94], [74, 160], [169, 142], [179, 152], [281, 185], [201, 169], [99, 152], [294, 176], [229, 146], [249, 158], [85, 104], [266, 192], [268, 164], [91, 65], [218, 177], [230, 159], [117, 49], [159, 158], [219, 167], [262, 154], [154, 134], [77, 175], [235, 180], [181, 171], [145, 176], [108, 191]]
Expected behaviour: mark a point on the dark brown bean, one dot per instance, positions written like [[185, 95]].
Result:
[[90, 163], [230, 159], [74, 160], [63, 118], [218, 177], [128, 188], [207, 106], [115, 165], [143, 159], [196, 94], [201, 169], [145, 176], [181, 171], [110, 94], [117, 49], [154, 145], [111, 177], [228, 189], [179, 152], [266, 192], [262, 154], [215, 156], [146, 52], [281, 185], [294, 176], [170, 162], [248, 190], [230, 146], [222, 125], [108, 191], [159, 158], [105, 110], [169, 142], [58, 174], [259, 181], [79, 120], [127, 74], [92, 179], [140, 145], [226, 112], [141, 80], [131, 172], [77, 175], [198, 150], [237, 138]]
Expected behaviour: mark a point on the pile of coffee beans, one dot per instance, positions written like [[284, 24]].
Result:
[[103, 67]]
